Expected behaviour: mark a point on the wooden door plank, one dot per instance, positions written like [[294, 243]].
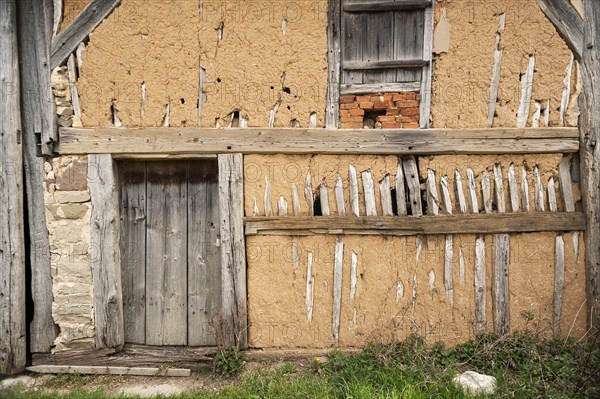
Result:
[[204, 256], [379, 46], [166, 254], [353, 44], [408, 42], [132, 205], [106, 256]]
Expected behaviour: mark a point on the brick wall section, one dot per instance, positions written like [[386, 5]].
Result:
[[387, 111]]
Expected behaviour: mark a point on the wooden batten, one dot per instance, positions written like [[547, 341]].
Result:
[[316, 141], [332, 112], [559, 282], [233, 252], [411, 173], [106, 256], [337, 287]]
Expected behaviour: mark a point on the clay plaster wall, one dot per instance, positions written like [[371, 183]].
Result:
[[400, 289], [466, 40], [257, 55]]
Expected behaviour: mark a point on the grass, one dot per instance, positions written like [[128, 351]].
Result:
[[524, 366]]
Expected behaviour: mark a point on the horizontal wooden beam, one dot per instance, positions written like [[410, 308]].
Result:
[[379, 88], [316, 141], [407, 225], [375, 6], [111, 370], [362, 65]]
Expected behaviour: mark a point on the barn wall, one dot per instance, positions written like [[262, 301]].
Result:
[[144, 66]]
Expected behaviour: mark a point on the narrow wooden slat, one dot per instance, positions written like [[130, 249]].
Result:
[[526, 91], [308, 194], [386, 196], [110, 370], [106, 257], [411, 173], [132, 183], [460, 194], [407, 225], [353, 283], [295, 200], [324, 199], [552, 204], [166, 254], [499, 189], [566, 96], [480, 285], [332, 114], [566, 184], [524, 189], [539, 190], [486, 192], [203, 255], [446, 200], [426, 87], [339, 196], [400, 192], [67, 40], [310, 287], [559, 281], [316, 141], [365, 65], [500, 290], [282, 206], [448, 254], [513, 189], [267, 198], [13, 330], [233, 251], [337, 287], [495, 82], [366, 88], [369, 193], [379, 5], [73, 86], [473, 203], [433, 202], [353, 183]]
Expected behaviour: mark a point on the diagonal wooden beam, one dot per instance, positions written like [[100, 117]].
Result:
[[568, 23], [66, 41]]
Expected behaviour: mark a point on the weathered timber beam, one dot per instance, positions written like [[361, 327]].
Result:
[[65, 42], [332, 111], [375, 6], [567, 22], [365, 88], [316, 141], [110, 370], [406, 225], [13, 332]]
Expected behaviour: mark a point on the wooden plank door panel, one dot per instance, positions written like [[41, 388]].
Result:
[[166, 254], [132, 178], [204, 255], [409, 28], [379, 46]]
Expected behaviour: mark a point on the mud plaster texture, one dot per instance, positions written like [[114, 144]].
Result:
[[400, 289], [462, 75], [68, 210], [257, 55], [282, 171]]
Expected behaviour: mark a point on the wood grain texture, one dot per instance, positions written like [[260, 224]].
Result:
[[500, 290], [411, 173], [67, 40], [406, 225], [12, 241], [332, 114], [559, 282], [378, 5], [38, 123], [111, 370], [480, 286], [233, 252], [337, 287], [568, 23], [106, 256], [132, 208], [317, 141]]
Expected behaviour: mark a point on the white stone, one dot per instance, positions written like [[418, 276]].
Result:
[[24, 381], [475, 383], [65, 197]]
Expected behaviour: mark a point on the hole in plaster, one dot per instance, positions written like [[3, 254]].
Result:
[[287, 90], [288, 107], [294, 122], [234, 119], [218, 80], [312, 120], [394, 202], [317, 206], [182, 101], [284, 25], [272, 87]]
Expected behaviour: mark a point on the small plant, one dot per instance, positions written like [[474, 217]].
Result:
[[229, 362]]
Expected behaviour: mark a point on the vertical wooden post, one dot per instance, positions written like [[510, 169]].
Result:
[[233, 252], [12, 245], [332, 114], [106, 256], [38, 120]]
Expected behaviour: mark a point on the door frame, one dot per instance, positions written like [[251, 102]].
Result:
[[106, 256]]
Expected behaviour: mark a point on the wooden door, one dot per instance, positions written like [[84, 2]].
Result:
[[171, 272]]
